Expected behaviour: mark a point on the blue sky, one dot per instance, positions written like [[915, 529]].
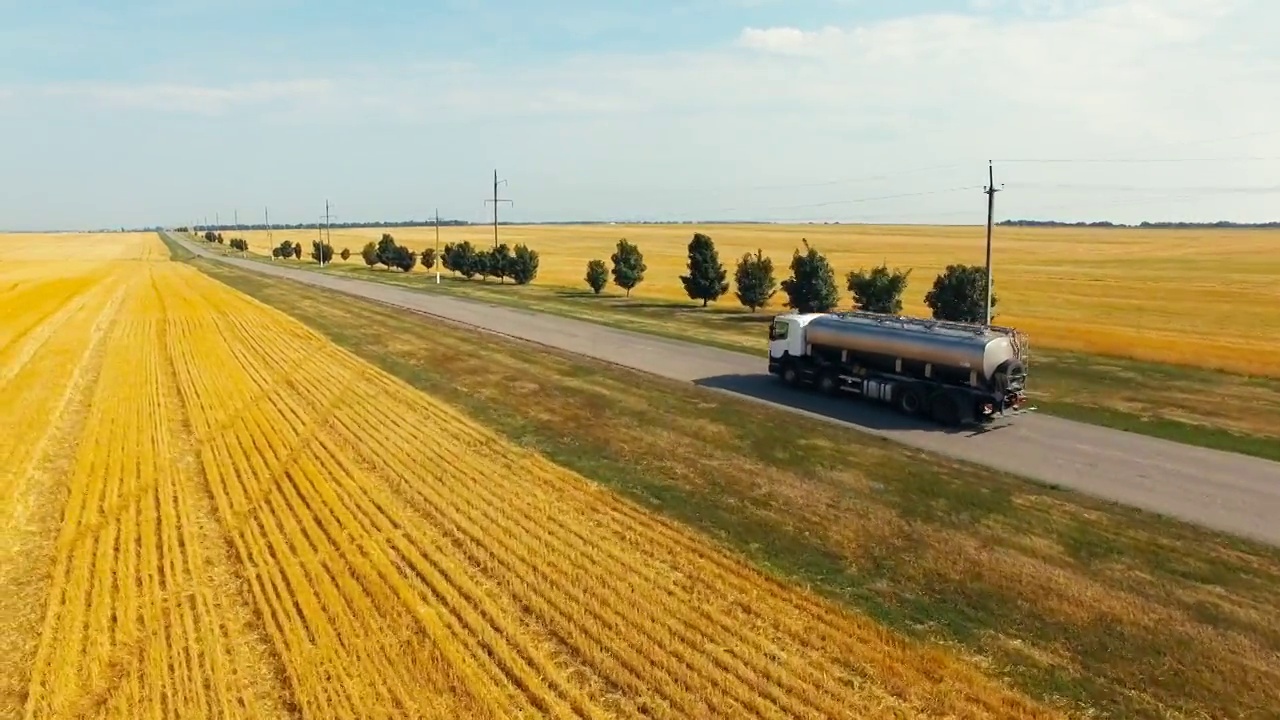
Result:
[[133, 113]]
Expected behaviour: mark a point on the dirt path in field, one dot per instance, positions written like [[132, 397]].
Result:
[[1224, 491]]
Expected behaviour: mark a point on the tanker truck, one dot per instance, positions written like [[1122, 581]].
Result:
[[953, 373]]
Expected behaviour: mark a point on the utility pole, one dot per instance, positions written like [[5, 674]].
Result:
[[495, 202], [266, 218], [325, 238], [990, 191], [437, 246]]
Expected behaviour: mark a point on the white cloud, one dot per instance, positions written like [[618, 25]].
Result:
[[202, 99], [789, 40]]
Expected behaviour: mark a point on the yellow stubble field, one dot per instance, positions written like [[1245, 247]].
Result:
[[207, 509], [1204, 298]]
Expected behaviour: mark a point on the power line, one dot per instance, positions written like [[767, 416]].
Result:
[[852, 201], [1137, 160], [1206, 141], [1204, 189], [849, 181]]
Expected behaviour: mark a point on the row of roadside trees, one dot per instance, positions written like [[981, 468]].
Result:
[[958, 293]]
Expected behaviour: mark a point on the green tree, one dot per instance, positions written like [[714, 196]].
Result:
[[369, 253], [393, 255], [597, 275], [465, 259], [297, 250], [387, 250], [219, 238], [499, 260], [286, 249], [959, 294], [404, 258], [524, 265], [878, 291], [428, 258], [812, 285], [321, 252], [447, 255], [482, 264], [754, 277], [209, 236], [628, 266], [706, 280]]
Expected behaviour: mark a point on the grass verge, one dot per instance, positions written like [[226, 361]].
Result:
[[1097, 608], [1199, 407]]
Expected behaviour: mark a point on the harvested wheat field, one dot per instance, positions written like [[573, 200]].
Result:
[[206, 509], [1206, 298]]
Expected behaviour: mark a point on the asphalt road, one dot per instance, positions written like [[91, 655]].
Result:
[[1234, 493]]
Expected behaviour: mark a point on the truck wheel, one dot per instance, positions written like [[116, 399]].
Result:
[[791, 375], [827, 384], [911, 401]]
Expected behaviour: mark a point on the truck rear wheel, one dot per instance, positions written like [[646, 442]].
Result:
[[911, 400]]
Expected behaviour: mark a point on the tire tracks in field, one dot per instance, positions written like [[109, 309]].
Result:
[[279, 357], [240, 643], [27, 343], [35, 491], [272, 539]]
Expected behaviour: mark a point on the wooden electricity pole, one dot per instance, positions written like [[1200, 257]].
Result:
[[495, 202], [990, 191], [325, 239]]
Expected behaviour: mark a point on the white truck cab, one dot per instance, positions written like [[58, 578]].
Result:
[[787, 337]]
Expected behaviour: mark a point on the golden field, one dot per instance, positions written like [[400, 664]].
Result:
[[1204, 298], [207, 509]]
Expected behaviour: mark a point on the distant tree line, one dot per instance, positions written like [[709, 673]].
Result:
[[1158, 224], [1220, 224], [312, 226]]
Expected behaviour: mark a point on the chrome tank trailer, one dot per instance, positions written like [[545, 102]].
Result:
[[967, 347]]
